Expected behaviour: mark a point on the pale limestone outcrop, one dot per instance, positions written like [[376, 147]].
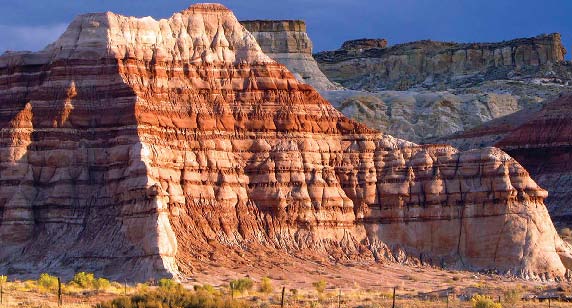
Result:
[[287, 42], [441, 65], [421, 116], [139, 148]]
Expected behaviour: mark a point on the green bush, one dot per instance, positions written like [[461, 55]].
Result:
[[48, 282], [3, 279], [241, 285], [483, 301], [320, 286], [266, 285], [84, 280], [101, 284], [168, 284]]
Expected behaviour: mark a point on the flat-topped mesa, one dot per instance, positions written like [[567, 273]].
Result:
[[364, 43], [182, 146], [287, 42], [434, 64]]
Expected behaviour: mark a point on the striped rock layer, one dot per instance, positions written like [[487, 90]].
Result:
[[138, 148], [287, 42], [541, 140]]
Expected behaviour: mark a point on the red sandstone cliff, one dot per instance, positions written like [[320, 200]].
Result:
[[541, 140], [138, 148]]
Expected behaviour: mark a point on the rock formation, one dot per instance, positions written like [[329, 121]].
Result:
[[287, 42], [423, 115], [141, 148], [361, 44], [417, 114], [443, 65], [540, 139]]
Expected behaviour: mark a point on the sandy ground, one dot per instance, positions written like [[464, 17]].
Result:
[[350, 284]]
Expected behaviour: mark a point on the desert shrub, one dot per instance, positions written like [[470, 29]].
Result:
[[207, 288], [320, 286], [483, 301], [117, 285], [166, 283], [315, 304], [512, 296], [48, 282], [3, 279], [176, 296], [241, 285], [84, 280], [266, 285], [101, 284]]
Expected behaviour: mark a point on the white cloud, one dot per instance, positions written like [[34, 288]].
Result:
[[32, 38]]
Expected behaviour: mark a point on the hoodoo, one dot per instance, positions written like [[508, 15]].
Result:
[[138, 147]]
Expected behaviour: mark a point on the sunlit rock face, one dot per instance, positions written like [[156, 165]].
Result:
[[287, 42], [140, 148], [443, 65], [541, 140], [442, 102]]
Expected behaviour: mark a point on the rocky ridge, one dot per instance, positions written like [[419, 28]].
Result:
[[445, 87], [442, 65], [151, 145], [418, 114], [287, 42], [360, 44]]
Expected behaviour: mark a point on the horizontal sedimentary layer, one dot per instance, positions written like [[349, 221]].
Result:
[[431, 63], [539, 138], [287, 42], [160, 142]]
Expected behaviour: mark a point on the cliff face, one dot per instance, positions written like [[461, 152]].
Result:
[[540, 139], [440, 64], [425, 112], [421, 116], [287, 42], [141, 148]]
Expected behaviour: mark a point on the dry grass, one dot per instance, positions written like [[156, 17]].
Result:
[[24, 294], [367, 288]]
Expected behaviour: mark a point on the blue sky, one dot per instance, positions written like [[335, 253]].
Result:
[[32, 24]]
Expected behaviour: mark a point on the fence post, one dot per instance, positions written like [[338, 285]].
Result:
[[393, 304], [232, 290], [340, 298], [282, 301], [59, 292], [125, 287], [447, 299], [1, 292]]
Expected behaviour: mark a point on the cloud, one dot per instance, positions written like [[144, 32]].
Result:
[[32, 38]]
